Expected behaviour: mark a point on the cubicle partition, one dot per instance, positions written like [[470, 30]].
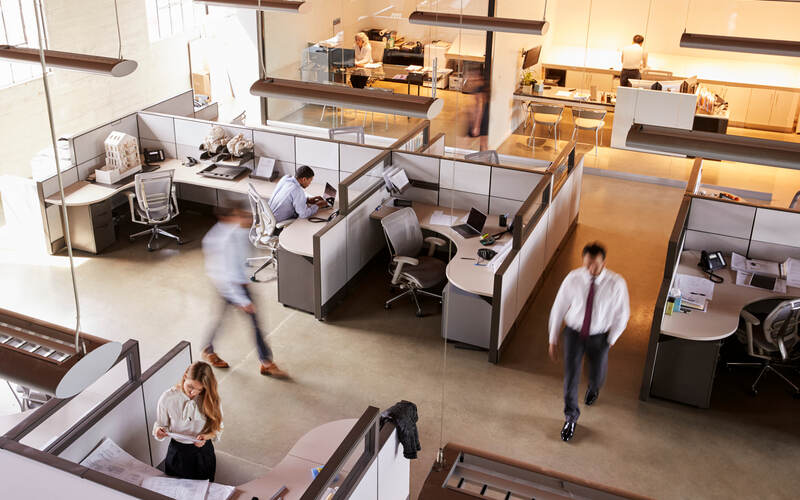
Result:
[[713, 224], [416, 139], [436, 146]]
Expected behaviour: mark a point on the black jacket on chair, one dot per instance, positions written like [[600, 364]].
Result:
[[404, 416]]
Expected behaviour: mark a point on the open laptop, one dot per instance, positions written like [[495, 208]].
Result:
[[474, 225], [329, 195]]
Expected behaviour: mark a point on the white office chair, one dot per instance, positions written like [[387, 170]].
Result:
[[588, 119], [264, 231], [153, 203], [770, 334], [411, 272], [547, 115]]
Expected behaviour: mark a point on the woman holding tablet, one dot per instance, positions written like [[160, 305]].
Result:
[[190, 414]]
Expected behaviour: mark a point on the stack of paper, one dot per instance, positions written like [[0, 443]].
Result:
[[180, 489], [413, 67], [756, 266], [792, 268], [694, 289]]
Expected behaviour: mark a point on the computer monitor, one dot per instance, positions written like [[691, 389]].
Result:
[[531, 57], [342, 58], [330, 193], [400, 180], [476, 219]]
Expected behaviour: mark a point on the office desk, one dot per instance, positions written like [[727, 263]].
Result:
[[467, 297], [314, 449], [468, 48], [688, 347], [550, 96]]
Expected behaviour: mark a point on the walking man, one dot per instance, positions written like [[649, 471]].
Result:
[[592, 303], [225, 247]]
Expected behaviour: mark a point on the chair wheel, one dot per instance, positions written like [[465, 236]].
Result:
[[387, 306], [419, 315], [253, 279], [151, 249], [753, 391], [181, 242]]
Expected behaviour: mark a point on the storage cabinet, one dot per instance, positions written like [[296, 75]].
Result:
[[759, 108], [784, 109], [91, 227]]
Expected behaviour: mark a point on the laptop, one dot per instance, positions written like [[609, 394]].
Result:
[[474, 225], [329, 195]]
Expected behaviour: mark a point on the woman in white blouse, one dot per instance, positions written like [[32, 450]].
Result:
[[363, 50], [190, 414]]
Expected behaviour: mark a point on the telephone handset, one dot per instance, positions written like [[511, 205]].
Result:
[[710, 262]]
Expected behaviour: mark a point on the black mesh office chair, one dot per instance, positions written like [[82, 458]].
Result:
[[769, 330]]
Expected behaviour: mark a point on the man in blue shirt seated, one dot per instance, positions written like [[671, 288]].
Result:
[[289, 200]]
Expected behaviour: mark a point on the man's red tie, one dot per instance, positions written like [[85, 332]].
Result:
[[587, 316]]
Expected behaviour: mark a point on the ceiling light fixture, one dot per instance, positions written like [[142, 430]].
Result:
[[70, 60], [348, 97], [277, 5], [482, 23], [714, 146], [740, 44]]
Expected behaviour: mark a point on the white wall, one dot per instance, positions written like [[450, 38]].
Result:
[[26, 478], [82, 100]]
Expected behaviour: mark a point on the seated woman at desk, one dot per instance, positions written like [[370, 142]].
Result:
[[190, 414], [363, 50]]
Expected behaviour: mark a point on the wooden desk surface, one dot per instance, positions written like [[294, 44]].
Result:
[[461, 272], [550, 96], [294, 471], [721, 318]]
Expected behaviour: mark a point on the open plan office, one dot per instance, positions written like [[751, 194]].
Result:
[[278, 249]]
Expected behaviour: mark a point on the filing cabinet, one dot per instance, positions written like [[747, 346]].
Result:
[[91, 227]]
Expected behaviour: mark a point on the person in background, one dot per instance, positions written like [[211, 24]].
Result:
[[479, 125], [289, 200], [593, 305], [226, 247], [634, 59], [363, 49], [190, 414]]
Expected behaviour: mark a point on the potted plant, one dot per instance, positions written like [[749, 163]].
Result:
[[527, 82]]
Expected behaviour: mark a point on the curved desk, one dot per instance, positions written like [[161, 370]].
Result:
[[461, 270], [314, 449]]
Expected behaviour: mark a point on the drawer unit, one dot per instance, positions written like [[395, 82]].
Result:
[[91, 227]]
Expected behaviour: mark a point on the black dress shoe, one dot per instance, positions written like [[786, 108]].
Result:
[[567, 431], [591, 398]]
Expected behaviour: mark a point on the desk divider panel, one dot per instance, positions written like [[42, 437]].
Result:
[[436, 146], [717, 225], [179, 105], [354, 156]]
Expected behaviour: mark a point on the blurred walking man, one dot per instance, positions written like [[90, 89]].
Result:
[[592, 304]]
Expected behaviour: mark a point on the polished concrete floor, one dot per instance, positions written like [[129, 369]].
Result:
[[364, 355]]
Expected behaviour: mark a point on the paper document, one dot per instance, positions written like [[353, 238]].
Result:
[[112, 460], [439, 218], [373, 65], [563, 93], [792, 268], [219, 492], [413, 67], [184, 437], [695, 288], [180, 489], [740, 263]]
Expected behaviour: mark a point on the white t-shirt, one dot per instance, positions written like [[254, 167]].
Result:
[[364, 54], [633, 56]]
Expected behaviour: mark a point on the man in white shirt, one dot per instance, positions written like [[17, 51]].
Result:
[[634, 58], [289, 200], [592, 303], [226, 248]]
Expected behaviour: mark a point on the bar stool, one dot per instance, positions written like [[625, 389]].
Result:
[[545, 114], [588, 119]]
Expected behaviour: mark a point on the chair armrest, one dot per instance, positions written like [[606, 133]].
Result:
[[131, 197], [434, 242], [283, 224], [175, 202], [749, 318], [402, 260]]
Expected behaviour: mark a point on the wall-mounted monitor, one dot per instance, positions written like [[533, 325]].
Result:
[[531, 57]]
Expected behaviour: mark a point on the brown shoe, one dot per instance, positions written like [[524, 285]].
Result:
[[214, 360], [272, 370]]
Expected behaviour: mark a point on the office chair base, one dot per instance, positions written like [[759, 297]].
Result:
[[155, 232], [413, 293], [269, 261], [766, 367]]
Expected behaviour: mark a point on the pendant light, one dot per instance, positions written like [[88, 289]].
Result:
[[714, 146], [740, 44], [348, 97], [482, 23], [276, 5], [70, 60]]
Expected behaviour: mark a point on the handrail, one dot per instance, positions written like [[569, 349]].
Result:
[[364, 431], [344, 186], [696, 176], [423, 127]]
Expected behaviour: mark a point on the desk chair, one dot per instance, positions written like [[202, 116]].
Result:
[[411, 272], [588, 119], [153, 203], [544, 114], [264, 231], [770, 334]]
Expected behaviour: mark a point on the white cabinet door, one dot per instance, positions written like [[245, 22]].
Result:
[[784, 110], [738, 99], [760, 107]]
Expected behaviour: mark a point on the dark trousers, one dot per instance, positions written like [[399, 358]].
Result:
[[596, 349], [627, 74], [187, 461], [264, 352]]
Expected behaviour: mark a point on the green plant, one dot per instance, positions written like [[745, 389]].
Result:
[[527, 78]]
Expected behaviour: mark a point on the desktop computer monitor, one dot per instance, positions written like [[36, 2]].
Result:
[[342, 58], [531, 57]]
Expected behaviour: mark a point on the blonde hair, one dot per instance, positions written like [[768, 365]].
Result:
[[200, 371], [363, 37]]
